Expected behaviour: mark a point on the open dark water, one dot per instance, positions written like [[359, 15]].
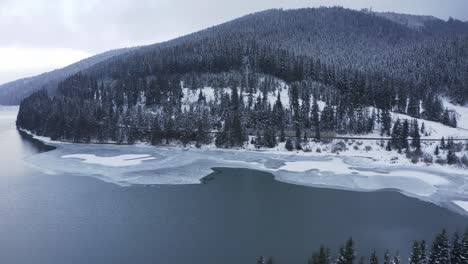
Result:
[[235, 217]]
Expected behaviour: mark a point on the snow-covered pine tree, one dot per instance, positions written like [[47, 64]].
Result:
[[456, 251], [316, 118], [396, 259], [440, 252], [387, 258], [423, 252], [374, 259], [415, 253]]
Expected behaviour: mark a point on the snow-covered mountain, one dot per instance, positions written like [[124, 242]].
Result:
[[322, 33], [279, 76]]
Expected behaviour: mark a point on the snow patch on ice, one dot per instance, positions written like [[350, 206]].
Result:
[[115, 161], [339, 167], [333, 165], [429, 178]]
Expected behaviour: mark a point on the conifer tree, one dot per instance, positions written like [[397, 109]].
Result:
[[389, 146], [416, 142], [261, 260], [440, 252], [258, 140], [386, 120], [396, 135], [453, 121], [452, 158], [298, 139], [282, 134], [327, 120], [464, 246], [322, 257], [316, 118], [404, 135], [289, 145], [456, 252], [349, 252], [340, 259], [415, 253], [374, 259], [396, 259], [423, 253], [387, 258]]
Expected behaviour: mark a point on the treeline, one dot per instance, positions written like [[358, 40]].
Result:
[[444, 250], [153, 111]]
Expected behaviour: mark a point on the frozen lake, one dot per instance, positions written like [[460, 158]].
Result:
[[51, 215]]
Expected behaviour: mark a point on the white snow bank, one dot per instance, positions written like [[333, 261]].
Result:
[[338, 166], [462, 113], [462, 204], [436, 130], [115, 161]]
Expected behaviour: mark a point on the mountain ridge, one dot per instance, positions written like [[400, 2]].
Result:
[[11, 93], [14, 92]]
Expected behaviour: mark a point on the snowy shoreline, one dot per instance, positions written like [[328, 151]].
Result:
[[142, 164]]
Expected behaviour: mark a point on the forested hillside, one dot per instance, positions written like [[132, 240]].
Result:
[[274, 74]]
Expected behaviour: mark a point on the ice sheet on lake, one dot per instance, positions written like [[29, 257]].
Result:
[[113, 161], [174, 165]]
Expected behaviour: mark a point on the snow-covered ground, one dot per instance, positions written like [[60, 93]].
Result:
[[462, 112], [190, 96]]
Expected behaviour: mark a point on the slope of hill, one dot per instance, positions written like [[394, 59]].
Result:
[[433, 59], [13, 93], [333, 35], [344, 72]]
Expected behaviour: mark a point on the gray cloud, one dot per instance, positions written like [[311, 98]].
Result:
[[95, 26]]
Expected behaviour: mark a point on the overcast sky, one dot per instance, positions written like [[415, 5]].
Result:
[[41, 35]]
